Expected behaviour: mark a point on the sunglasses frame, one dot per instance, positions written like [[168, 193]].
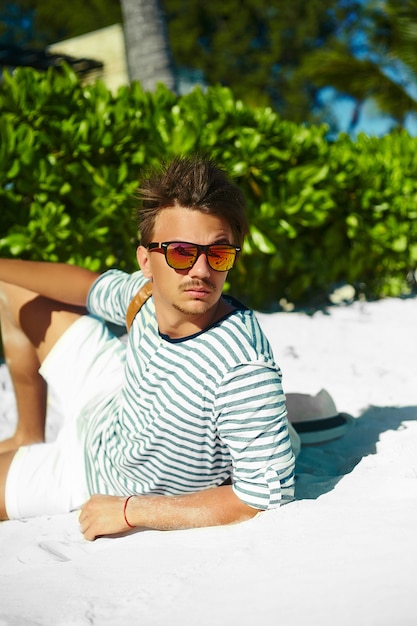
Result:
[[163, 247]]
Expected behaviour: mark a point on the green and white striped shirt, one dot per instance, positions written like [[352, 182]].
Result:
[[191, 412]]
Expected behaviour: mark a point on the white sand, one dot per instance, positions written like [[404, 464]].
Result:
[[345, 553]]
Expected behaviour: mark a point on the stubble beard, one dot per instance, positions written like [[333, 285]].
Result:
[[192, 311]]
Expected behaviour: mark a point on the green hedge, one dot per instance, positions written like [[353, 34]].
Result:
[[321, 213]]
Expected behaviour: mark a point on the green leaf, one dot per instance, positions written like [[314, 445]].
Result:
[[261, 241], [400, 244], [16, 243]]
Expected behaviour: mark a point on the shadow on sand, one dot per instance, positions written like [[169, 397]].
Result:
[[320, 467]]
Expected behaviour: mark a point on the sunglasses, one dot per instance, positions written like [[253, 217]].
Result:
[[182, 255]]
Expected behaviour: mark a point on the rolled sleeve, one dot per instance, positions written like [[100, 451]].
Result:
[[269, 489]]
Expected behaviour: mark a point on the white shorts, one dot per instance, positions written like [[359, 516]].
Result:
[[84, 369]]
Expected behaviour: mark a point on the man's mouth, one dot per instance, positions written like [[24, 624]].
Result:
[[197, 291]]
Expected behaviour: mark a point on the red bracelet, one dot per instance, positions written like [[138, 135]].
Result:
[[124, 512]]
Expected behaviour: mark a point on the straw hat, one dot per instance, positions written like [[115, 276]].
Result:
[[316, 418]]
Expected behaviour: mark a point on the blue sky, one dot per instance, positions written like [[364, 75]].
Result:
[[371, 120]]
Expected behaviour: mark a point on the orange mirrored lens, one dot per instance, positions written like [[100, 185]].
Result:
[[181, 256], [221, 258]]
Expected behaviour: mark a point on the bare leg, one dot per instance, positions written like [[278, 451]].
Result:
[[5, 461], [30, 327], [29, 387]]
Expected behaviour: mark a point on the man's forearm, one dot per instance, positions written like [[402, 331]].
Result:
[[59, 281], [212, 507], [105, 515]]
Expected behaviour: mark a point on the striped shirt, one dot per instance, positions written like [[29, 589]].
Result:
[[191, 412]]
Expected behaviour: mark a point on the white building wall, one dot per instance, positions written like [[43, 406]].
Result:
[[105, 45]]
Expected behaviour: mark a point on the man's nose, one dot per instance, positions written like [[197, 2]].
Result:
[[201, 266]]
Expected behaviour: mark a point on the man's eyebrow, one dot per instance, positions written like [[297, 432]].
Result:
[[222, 240]]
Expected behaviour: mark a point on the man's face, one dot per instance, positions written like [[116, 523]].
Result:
[[185, 297]]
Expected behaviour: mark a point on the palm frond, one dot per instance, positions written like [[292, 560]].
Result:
[[360, 79], [403, 17]]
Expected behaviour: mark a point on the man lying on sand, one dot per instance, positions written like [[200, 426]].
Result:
[[183, 424]]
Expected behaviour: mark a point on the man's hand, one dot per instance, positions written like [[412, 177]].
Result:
[[104, 515]]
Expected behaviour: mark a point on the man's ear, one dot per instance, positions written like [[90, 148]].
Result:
[[142, 255]]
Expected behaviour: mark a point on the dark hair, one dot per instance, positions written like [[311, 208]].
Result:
[[192, 182]]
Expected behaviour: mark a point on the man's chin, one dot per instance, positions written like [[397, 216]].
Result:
[[194, 307]]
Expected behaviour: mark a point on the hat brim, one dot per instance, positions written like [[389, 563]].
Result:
[[313, 431]]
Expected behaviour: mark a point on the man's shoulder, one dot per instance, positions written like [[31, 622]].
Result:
[[240, 331], [111, 293], [240, 315]]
